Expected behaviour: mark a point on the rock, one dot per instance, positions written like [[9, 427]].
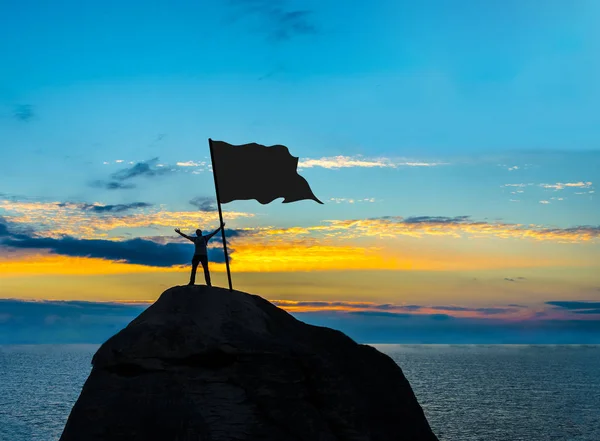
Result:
[[209, 364]]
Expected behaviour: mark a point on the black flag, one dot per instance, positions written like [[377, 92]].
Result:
[[254, 171]]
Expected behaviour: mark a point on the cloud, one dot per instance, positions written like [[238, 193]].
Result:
[[191, 164], [351, 201], [148, 168], [278, 19], [458, 226], [336, 162], [134, 251], [23, 112], [56, 219], [112, 185], [562, 186], [53, 220], [434, 219], [381, 314], [203, 203], [47, 321], [99, 208], [387, 309], [3, 228], [577, 307]]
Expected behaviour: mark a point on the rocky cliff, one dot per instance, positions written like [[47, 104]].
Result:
[[209, 364]]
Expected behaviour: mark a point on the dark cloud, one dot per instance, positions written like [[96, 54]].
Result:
[[577, 307], [36, 322], [119, 180], [486, 311], [280, 22], [398, 315], [3, 229], [439, 316], [204, 203], [112, 185], [142, 251], [23, 112], [8, 230], [135, 251], [147, 168], [437, 220], [412, 307], [118, 208]]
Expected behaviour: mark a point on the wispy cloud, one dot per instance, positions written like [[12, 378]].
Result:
[[351, 201], [203, 203], [55, 219], [421, 226], [111, 185], [562, 186], [99, 208], [146, 168], [191, 164], [279, 21], [36, 322], [388, 309], [24, 112], [120, 180], [577, 307], [336, 162]]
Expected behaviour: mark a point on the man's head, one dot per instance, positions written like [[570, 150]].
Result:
[[198, 232]]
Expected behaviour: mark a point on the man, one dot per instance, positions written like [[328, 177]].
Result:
[[200, 252]]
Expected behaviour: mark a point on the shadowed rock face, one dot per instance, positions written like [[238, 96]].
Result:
[[209, 364]]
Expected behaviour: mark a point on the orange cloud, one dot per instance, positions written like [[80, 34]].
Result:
[[396, 226], [495, 312], [53, 219]]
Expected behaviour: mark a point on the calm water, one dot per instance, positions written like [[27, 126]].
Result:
[[487, 393]]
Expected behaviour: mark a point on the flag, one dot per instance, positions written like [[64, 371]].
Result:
[[254, 171]]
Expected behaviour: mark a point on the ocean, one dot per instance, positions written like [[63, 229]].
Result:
[[468, 392]]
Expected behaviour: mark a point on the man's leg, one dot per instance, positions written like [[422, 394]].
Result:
[[195, 262], [206, 273]]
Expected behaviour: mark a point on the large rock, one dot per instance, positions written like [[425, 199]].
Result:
[[209, 364]]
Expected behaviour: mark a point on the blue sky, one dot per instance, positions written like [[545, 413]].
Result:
[[450, 141]]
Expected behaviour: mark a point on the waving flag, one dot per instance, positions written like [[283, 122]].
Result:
[[254, 171]]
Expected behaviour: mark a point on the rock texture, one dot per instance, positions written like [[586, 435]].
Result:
[[209, 364]]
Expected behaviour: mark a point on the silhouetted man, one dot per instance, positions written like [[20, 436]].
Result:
[[200, 252]]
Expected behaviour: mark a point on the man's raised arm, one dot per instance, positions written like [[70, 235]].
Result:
[[178, 231], [209, 236]]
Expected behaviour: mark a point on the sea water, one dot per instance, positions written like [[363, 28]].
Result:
[[468, 392]]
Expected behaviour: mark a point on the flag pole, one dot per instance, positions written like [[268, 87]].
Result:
[[212, 160]]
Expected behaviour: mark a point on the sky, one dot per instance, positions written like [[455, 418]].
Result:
[[454, 145]]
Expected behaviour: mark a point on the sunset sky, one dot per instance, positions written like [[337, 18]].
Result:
[[454, 145]]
